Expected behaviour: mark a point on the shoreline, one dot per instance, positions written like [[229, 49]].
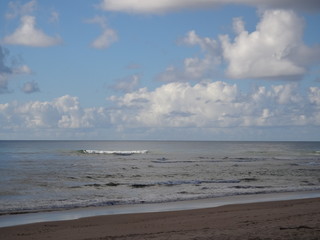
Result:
[[284, 219], [79, 213]]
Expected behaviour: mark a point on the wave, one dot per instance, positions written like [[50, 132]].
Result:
[[181, 182], [122, 153], [161, 183], [66, 204], [316, 152]]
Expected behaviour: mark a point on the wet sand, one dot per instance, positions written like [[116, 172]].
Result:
[[291, 219]]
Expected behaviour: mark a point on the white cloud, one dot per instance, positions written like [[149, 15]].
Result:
[[238, 25], [203, 108], [195, 68], [63, 112], [162, 6], [314, 95], [108, 35], [273, 50], [216, 105], [206, 44], [27, 34]]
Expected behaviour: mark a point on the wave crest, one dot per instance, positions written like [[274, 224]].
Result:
[[122, 153]]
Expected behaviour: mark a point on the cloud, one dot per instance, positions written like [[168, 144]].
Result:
[[28, 35], [61, 113], [127, 84], [9, 71], [163, 6], [3, 84], [195, 68], [30, 87], [314, 96], [54, 16], [3, 55], [217, 105], [5, 71], [108, 35], [203, 109], [274, 49], [23, 69], [206, 44], [18, 9], [105, 40]]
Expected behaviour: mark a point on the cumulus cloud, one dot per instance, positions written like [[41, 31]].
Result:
[[206, 44], [108, 35], [63, 112], [205, 105], [274, 49], [28, 34], [163, 6], [314, 96], [216, 105], [195, 68], [30, 87]]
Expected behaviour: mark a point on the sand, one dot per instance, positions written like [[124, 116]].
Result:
[[291, 219]]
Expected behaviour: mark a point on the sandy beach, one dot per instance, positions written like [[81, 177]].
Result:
[[291, 219]]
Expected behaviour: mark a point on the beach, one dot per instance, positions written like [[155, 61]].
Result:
[[290, 219]]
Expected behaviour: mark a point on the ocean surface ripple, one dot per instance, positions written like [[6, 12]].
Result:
[[51, 175]]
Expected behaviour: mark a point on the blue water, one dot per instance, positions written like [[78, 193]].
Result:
[[51, 175]]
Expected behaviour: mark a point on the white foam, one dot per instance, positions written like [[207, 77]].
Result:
[[115, 152]]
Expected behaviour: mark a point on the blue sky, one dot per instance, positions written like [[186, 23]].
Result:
[[179, 70]]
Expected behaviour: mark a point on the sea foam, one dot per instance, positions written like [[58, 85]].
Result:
[[123, 153]]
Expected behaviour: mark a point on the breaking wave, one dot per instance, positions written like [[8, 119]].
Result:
[[122, 153]]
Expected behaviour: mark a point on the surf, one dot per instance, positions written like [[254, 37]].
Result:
[[121, 153]]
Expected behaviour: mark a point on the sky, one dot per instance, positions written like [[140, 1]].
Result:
[[160, 70]]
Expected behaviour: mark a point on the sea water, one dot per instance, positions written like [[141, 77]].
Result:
[[55, 175]]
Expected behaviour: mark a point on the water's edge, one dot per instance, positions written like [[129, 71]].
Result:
[[27, 218]]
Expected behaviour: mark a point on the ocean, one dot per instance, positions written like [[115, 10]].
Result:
[[38, 176]]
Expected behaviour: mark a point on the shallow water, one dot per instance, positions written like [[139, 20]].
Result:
[[71, 214]]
